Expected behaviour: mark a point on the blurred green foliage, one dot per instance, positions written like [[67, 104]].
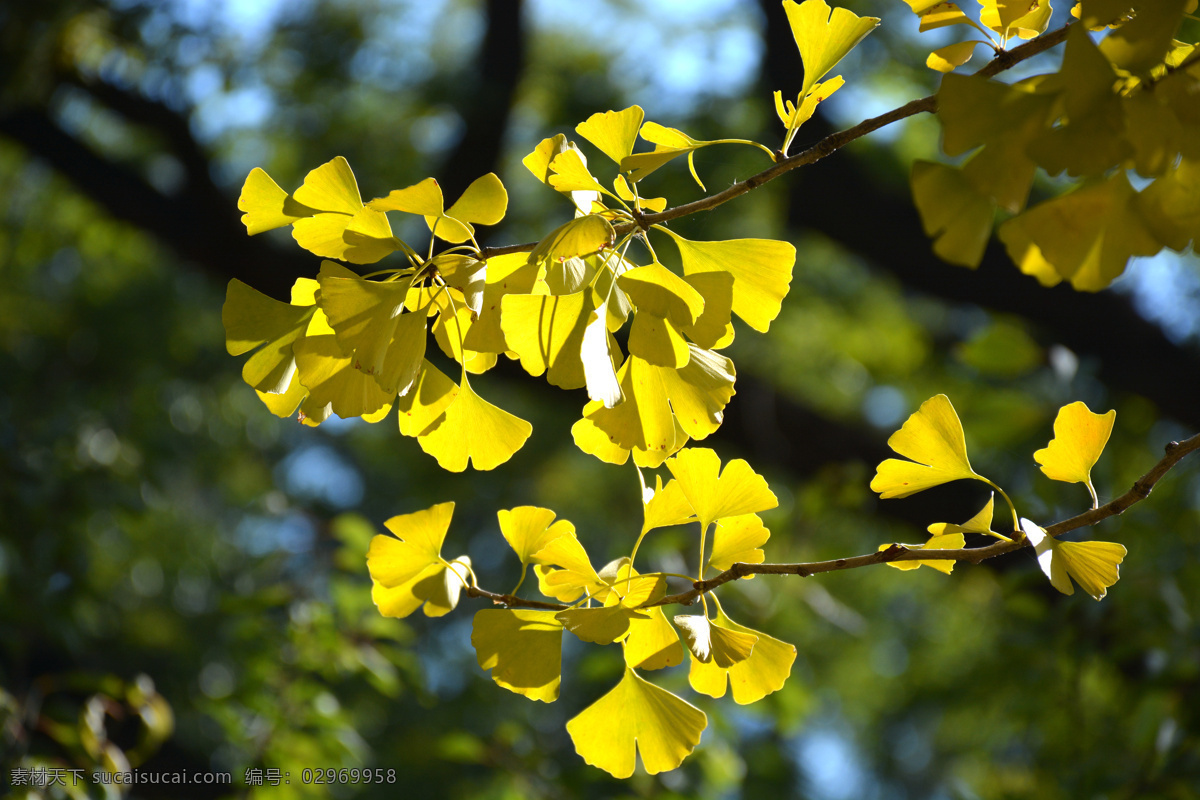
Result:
[[182, 576]]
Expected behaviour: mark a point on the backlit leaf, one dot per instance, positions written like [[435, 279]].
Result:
[[423, 405], [602, 625], [824, 35], [1095, 566], [737, 490], [652, 642], [523, 649], [528, 529], [933, 438], [614, 132], [764, 672], [1087, 235], [575, 575], [1079, 439], [945, 59], [710, 643], [738, 539], [484, 202], [407, 569], [251, 320], [953, 211], [475, 431], [546, 332], [668, 506], [635, 718], [333, 382], [331, 187], [761, 269], [264, 203]]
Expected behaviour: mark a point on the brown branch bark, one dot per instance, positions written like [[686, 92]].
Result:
[[1175, 452]]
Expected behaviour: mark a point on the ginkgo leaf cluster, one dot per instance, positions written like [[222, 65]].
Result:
[[615, 604], [933, 441], [1125, 103]]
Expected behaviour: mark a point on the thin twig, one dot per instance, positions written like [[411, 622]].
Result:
[[1175, 452], [827, 146]]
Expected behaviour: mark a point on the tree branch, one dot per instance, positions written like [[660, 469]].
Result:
[[826, 147], [1175, 452]]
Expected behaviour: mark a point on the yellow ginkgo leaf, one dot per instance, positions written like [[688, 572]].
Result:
[[980, 523], [546, 332], [366, 316], [637, 717], [669, 143], [475, 431], [699, 391], [484, 202], [331, 188], [937, 14], [668, 506], [761, 269], [933, 438], [407, 569], [1079, 439], [763, 672], [953, 211], [576, 575], [614, 132], [657, 290], [596, 354], [528, 529], [523, 649], [601, 625], [444, 589], [652, 642], [713, 329], [945, 59], [580, 237], [793, 115], [284, 404], [643, 421], [738, 539], [824, 35], [951, 541], [253, 320], [266, 204], [710, 643], [569, 173], [423, 405], [507, 274], [657, 341], [424, 199], [1095, 566], [331, 379], [1106, 228], [738, 490]]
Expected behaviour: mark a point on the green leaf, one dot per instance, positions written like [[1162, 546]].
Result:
[[637, 717], [522, 648]]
